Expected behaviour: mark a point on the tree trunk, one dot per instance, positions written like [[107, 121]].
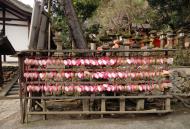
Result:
[[74, 26]]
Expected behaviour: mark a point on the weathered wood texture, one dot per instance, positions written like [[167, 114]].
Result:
[[42, 33], [1, 72], [35, 23]]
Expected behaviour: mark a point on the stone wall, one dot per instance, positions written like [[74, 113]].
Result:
[[181, 82]]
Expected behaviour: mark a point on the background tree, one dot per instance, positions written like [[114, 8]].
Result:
[[173, 13], [117, 14]]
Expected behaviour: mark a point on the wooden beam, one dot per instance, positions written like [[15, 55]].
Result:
[[1, 72], [10, 24], [104, 97], [4, 15], [98, 112], [15, 14], [14, 19]]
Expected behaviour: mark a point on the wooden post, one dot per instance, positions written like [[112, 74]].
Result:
[[140, 104], [34, 28], [85, 104], [1, 72], [49, 27], [167, 104], [122, 104], [103, 106], [21, 71]]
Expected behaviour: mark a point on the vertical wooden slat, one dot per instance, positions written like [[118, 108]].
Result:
[[140, 104], [103, 106], [122, 104], [85, 104], [167, 104]]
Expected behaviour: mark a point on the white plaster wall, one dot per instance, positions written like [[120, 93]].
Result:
[[17, 35]]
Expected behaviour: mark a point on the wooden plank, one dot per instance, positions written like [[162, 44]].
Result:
[[90, 97], [42, 33], [34, 28], [92, 51], [103, 97], [99, 112]]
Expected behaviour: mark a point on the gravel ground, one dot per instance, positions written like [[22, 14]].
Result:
[[9, 119]]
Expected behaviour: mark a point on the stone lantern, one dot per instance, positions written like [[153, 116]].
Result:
[[170, 39], [127, 42], [187, 41], [58, 42], [152, 37], [181, 39], [162, 39]]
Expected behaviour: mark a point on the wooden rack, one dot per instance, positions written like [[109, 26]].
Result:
[[91, 99]]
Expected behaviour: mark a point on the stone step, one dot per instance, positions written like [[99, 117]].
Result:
[[15, 89], [12, 92], [16, 86]]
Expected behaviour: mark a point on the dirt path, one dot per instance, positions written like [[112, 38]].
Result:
[[9, 119]]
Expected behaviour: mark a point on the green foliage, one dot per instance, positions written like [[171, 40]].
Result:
[[85, 8], [175, 13]]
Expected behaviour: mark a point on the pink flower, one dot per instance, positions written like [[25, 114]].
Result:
[[100, 62], [42, 76], [78, 62], [120, 75], [87, 88], [65, 62], [44, 63], [67, 75], [87, 62], [82, 61], [74, 62], [80, 75], [112, 62], [29, 88], [26, 61], [49, 62], [37, 88]]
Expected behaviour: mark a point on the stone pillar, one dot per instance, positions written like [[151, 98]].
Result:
[[93, 46], [170, 40], [187, 41], [162, 40]]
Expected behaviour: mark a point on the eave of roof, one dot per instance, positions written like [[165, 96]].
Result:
[[19, 6], [5, 47]]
